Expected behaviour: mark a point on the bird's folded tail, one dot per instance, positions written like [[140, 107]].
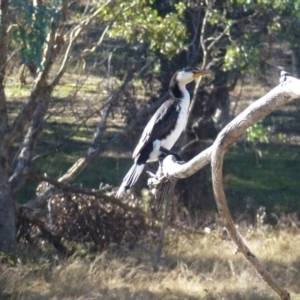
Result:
[[130, 179]]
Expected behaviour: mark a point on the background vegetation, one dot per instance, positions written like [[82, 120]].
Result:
[[79, 80]]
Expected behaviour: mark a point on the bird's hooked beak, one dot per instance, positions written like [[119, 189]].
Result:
[[198, 73]]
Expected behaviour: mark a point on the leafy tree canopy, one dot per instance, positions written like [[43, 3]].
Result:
[[137, 21]]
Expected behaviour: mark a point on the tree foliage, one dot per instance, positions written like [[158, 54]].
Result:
[[31, 29], [267, 22], [138, 22]]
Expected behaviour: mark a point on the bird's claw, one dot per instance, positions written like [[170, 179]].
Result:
[[155, 181]]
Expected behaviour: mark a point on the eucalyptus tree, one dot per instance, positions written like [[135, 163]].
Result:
[[41, 36], [32, 32]]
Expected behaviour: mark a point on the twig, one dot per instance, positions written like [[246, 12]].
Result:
[[73, 37]]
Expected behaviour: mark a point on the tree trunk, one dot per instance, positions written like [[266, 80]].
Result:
[[296, 59], [8, 242]]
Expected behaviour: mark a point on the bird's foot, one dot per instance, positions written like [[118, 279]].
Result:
[[155, 182]]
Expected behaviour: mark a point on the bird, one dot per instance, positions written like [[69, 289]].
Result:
[[165, 126]]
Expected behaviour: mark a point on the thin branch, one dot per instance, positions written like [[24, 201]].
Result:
[[86, 52], [70, 135], [94, 147], [202, 33], [207, 45], [204, 61], [73, 37], [219, 37]]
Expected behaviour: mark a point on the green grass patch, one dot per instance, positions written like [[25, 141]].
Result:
[[270, 180]]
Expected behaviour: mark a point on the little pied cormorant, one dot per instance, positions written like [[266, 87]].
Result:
[[165, 127]]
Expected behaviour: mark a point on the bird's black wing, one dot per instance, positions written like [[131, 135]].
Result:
[[159, 125]]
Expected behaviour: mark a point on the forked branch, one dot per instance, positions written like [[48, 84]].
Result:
[[287, 90]]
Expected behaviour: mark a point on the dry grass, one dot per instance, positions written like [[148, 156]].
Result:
[[195, 267]]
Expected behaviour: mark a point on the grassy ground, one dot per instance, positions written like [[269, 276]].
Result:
[[268, 179], [193, 267]]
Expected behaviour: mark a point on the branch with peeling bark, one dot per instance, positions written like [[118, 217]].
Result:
[[287, 90]]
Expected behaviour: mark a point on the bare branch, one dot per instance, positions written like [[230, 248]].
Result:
[[87, 51], [92, 151], [287, 90], [94, 148], [25, 157], [73, 37], [219, 37], [207, 45], [77, 125], [202, 33], [204, 61], [224, 141], [174, 169]]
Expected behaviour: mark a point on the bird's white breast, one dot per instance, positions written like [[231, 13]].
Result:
[[171, 139]]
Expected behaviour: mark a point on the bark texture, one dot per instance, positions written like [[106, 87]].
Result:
[[8, 242]]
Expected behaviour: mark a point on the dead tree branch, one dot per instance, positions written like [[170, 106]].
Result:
[[99, 194], [287, 90], [74, 34], [23, 166]]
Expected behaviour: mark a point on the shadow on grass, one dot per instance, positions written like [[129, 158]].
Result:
[[128, 294], [127, 275]]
